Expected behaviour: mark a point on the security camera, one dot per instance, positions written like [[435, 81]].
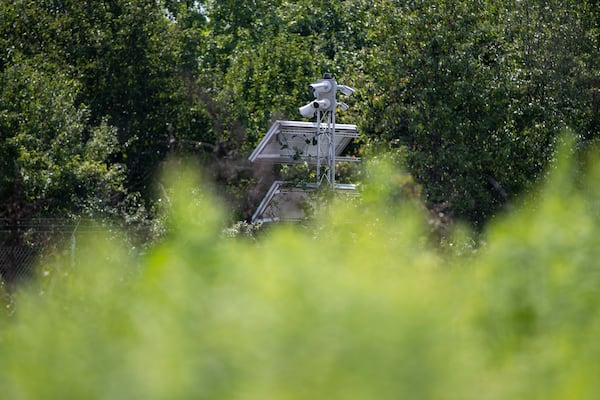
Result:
[[343, 106], [308, 111], [347, 90], [320, 87], [325, 104]]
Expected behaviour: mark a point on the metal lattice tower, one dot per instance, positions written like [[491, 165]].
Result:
[[319, 144]]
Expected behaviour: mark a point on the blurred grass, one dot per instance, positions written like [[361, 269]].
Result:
[[360, 307]]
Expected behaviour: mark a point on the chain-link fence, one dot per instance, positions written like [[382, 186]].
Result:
[[24, 242], [16, 262]]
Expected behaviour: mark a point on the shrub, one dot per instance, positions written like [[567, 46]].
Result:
[[361, 306]]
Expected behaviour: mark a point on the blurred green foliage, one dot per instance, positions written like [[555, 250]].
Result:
[[359, 306]]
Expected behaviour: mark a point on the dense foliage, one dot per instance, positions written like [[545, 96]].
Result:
[[363, 309], [469, 94]]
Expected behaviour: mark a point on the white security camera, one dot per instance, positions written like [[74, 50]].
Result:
[[320, 87], [325, 104], [308, 111], [347, 90], [343, 106]]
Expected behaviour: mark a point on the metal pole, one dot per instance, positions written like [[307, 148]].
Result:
[[318, 147], [332, 149], [330, 129]]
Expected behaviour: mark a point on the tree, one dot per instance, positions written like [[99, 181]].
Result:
[[470, 93], [56, 162], [475, 92], [136, 63]]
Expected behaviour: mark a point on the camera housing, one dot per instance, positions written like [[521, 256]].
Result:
[[308, 111], [347, 90]]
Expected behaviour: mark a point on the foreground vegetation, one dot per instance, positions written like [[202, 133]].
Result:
[[357, 308]]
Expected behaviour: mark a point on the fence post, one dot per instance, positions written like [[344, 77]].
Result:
[[74, 244]]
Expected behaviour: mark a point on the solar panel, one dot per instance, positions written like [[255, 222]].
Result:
[[290, 142]]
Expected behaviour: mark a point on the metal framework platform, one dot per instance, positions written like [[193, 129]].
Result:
[[287, 202]]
